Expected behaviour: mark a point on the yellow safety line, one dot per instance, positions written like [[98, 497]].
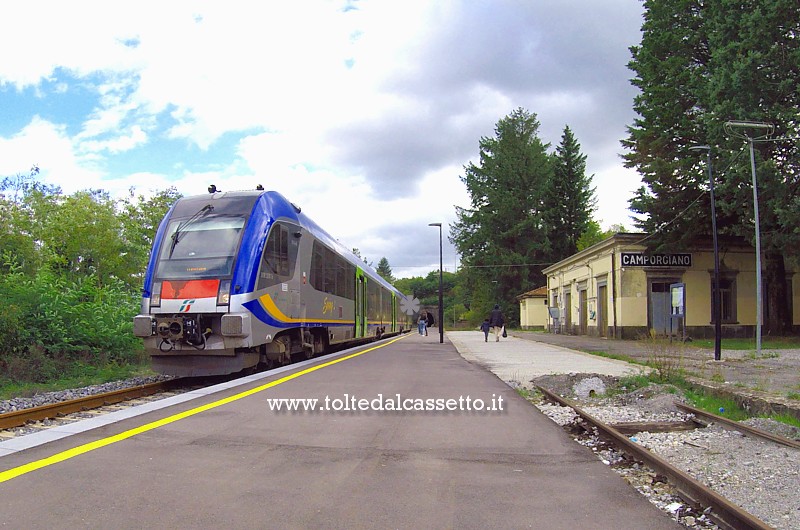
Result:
[[85, 448]]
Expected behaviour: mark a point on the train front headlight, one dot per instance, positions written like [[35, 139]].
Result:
[[224, 293], [155, 295]]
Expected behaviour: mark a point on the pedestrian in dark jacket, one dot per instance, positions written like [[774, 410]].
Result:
[[485, 328], [497, 322], [431, 320]]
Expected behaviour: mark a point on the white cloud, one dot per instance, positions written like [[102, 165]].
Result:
[[47, 146], [364, 116]]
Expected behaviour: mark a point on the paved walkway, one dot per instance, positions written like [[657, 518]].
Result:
[[514, 359]]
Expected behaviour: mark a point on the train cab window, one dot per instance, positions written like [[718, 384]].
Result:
[[280, 253]]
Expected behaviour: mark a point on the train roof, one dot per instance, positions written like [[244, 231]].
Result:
[[278, 207]]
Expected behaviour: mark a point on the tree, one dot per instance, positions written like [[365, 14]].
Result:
[[502, 237], [140, 217], [359, 256], [570, 198], [670, 64], [701, 64], [384, 270], [594, 234]]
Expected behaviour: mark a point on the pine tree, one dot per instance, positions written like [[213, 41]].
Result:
[[570, 198], [384, 270], [502, 238]]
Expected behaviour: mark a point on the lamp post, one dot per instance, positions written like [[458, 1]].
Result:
[[730, 128], [441, 295], [716, 295]]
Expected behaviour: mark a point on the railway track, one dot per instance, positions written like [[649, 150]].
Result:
[[63, 409], [720, 510]]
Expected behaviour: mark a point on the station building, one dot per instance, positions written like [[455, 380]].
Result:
[[533, 309], [615, 288]]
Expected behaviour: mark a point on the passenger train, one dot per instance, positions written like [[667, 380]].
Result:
[[241, 279]]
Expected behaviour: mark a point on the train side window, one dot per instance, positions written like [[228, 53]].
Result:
[[280, 254], [276, 251], [318, 267]]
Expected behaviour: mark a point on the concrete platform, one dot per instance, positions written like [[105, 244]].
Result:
[[519, 360], [230, 460]]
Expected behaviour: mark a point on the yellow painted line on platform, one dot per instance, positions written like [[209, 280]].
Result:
[[85, 448]]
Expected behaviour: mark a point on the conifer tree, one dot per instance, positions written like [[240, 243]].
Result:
[[502, 237], [699, 65], [570, 198]]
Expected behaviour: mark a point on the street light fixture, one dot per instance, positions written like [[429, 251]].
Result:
[[441, 296], [731, 128], [717, 296]]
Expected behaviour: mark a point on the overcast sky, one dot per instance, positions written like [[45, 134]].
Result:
[[363, 112]]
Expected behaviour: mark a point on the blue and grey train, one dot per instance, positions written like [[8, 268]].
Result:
[[242, 279]]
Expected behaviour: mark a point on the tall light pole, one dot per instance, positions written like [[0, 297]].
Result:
[[716, 295], [766, 128], [441, 294]]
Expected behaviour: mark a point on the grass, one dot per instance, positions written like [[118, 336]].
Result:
[[726, 408], [767, 343], [785, 418], [80, 376]]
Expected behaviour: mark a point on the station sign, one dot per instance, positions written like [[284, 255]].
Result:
[[637, 259]]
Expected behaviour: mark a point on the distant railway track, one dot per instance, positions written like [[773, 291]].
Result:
[[723, 512], [19, 418]]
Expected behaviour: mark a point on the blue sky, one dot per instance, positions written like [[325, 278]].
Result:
[[364, 112]]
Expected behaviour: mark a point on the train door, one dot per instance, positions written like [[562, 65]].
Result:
[[394, 312], [361, 304]]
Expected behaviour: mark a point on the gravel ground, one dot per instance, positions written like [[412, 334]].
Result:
[[774, 372], [761, 477], [47, 398]]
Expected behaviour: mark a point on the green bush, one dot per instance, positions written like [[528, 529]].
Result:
[[49, 322]]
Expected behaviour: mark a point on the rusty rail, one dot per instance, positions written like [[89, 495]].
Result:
[[724, 513], [744, 429], [18, 418]]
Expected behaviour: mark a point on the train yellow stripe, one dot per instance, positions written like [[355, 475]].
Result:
[[85, 448], [269, 306]]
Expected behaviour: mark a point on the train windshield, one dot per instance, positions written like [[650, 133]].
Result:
[[200, 247]]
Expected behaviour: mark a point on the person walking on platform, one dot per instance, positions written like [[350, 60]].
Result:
[[485, 328], [430, 322], [422, 325], [496, 321]]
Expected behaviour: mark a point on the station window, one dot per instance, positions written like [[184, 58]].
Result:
[[727, 290]]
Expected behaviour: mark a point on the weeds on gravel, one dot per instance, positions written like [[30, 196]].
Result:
[[768, 343], [616, 356], [753, 356], [788, 420], [531, 396], [635, 382], [664, 356]]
